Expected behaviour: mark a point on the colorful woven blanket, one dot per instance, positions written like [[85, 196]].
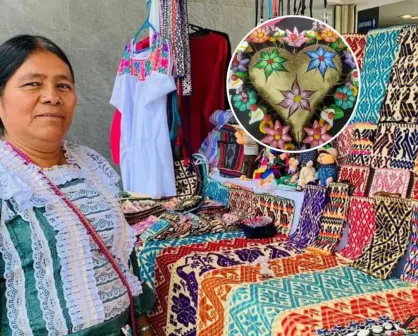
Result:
[[398, 304], [381, 48], [362, 145], [333, 220], [170, 255], [410, 272], [389, 243], [395, 181], [217, 284], [187, 272], [310, 218], [361, 221], [148, 252], [357, 176], [251, 309]]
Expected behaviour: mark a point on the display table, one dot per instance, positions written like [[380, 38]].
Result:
[[296, 196]]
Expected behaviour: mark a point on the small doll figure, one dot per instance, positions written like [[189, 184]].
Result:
[[292, 174], [327, 160], [307, 174], [264, 160]]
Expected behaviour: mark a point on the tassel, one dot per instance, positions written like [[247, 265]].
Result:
[[310, 8]]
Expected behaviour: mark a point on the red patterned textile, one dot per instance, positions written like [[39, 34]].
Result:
[[170, 255], [398, 304], [361, 221], [357, 176], [357, 43]]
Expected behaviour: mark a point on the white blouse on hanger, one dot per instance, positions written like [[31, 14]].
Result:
[[140, 94]]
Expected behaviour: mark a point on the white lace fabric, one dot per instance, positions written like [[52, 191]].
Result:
[[83, 269]]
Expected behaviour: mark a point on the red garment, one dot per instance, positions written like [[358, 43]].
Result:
[[115, 127], [209, 57]]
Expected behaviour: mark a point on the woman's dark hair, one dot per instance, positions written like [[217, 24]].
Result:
[[14, 52]]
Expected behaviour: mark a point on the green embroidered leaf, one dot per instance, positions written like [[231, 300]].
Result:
[[268, 70], [261, 64], [265, 56], [242, 74], [278, 67], [275, 54]]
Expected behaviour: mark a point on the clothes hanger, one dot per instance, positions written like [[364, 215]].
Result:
[[147, 24]]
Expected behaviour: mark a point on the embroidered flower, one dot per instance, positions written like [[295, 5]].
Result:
[[332, 113], [265, 123], [296, 98], [321, 59], [278, 136], [240, 63], [277, 35], [349, 59], [259, 36], [329, 35], [235, 82], [123, 65], [243, 46], [271, 62], [317, 135], [243, 101], [344, 97], [185, 313], [295, 39]]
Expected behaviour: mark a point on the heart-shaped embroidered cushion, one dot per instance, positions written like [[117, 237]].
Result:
[[296, 67], [293, 84]]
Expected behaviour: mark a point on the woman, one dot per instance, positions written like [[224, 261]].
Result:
[[65, 248]]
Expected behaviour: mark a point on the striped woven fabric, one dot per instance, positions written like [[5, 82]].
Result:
[[410, 272], [333, 220], [357, 43]]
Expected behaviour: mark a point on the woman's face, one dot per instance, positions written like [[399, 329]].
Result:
[[39, 100]]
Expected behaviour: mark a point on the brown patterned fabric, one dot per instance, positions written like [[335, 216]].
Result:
[[401, 101], [393, 231], [362, 145], [357, 176]]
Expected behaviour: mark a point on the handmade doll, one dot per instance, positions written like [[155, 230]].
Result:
[[251, 151], [307, 174], [264, 160], [292, 174], [327, 160]]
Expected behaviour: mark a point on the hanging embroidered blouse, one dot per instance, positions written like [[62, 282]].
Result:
[[140, 94], [53, 278]]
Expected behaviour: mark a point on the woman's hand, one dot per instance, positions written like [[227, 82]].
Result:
[[143, 326]]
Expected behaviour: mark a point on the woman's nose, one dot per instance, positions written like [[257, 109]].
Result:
[[50, 95]]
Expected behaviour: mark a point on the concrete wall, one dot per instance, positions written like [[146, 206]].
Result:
[[94, 32]]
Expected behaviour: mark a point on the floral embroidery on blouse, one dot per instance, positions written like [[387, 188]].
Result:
[[159, 59]]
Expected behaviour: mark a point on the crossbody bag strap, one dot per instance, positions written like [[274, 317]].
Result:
[[93, 233]]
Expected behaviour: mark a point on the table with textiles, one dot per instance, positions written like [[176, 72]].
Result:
[[344, 258]]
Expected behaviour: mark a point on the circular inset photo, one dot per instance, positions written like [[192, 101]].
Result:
[[293, 83]]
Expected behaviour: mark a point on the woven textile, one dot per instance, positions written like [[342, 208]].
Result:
[[405, 147], [241, 200], [310, 218], [381, 49], [362, 145], [357, 43], [343, 143], [170, 255], [185, 278], [280, 209], [401, 101], [251, 309], [188, 179], [395, 181], [362, 224], [217, 284], [357, 176], [149, 251], [388, 245], [414, 193], [410, 272], [333, 219], [397, 304], [383, 144]]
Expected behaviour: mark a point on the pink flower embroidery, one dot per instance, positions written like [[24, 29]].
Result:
[[295, 39], [164, 63], [278, 136], [123, 65], [317, 135], [296, 98]]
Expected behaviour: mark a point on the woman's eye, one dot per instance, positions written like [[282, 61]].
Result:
[[33, 84], [64, 86]]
